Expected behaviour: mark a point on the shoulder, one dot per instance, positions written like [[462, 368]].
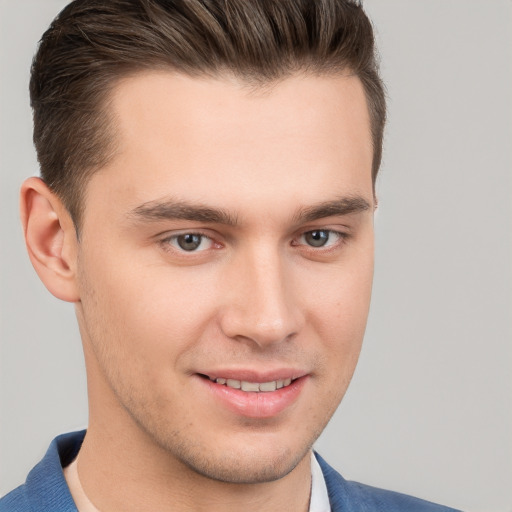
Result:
[[45, 489], [15, 501], [356, 497]]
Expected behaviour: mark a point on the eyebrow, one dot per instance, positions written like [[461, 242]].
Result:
[[170, 209], [336, 207]]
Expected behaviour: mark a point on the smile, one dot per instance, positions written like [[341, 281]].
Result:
[[253, 387], [252, 395]]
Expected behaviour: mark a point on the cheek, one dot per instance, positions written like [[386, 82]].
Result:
[[339, 309], [146, 314], [340, 297]]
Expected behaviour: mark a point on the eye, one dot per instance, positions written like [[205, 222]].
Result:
[[190, 242], [320, 238]]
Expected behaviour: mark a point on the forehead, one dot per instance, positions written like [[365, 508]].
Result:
[[301, 106], [202, 138]]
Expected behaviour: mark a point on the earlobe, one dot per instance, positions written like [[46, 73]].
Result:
[[50, 238]]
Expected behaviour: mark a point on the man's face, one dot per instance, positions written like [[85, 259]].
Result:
[[229, 243]]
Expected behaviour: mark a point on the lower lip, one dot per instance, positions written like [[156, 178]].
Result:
[[256, 404]]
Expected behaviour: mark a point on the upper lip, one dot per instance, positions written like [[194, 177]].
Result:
[[251, 375]]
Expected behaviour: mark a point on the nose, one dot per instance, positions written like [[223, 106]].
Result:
[[260, 305]]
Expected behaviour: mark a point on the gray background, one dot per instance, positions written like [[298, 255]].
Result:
[[429, 411]]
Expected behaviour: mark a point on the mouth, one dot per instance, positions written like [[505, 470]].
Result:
[[254, 395], [251, 387]]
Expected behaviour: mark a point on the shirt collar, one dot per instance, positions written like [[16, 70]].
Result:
[[46, 484], [319, 501]]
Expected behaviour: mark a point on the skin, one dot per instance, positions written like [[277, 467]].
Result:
[[255, 296]]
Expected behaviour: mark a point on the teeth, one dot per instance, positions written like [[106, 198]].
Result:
[[232, 383], [268, 386], [253, 386], [250, 386]]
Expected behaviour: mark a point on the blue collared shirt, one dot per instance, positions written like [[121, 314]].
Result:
[[46, 490]]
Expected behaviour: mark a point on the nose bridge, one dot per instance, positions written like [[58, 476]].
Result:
[[262, 305]]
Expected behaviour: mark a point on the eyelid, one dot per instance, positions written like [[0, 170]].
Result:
[[167, 238], [164, 239], [341, 238]]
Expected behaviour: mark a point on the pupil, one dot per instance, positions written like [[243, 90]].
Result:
[[189, 242], [317, 238]]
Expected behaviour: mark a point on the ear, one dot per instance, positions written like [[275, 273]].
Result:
[[50, 238]]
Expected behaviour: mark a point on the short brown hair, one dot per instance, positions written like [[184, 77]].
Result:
[[93, 43]]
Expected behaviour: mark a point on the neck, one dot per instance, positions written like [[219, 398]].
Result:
[[121, 467], [120, 473]]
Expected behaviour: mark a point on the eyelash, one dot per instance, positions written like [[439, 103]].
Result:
[[166, 242], [171, 243], [329, 245]]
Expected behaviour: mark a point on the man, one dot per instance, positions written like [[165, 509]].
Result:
[[206, 202]]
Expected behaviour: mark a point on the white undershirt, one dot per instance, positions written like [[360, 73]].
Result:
[[319, 501], [75, 488]]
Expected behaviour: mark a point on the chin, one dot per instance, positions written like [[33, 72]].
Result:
[[251, 467]]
